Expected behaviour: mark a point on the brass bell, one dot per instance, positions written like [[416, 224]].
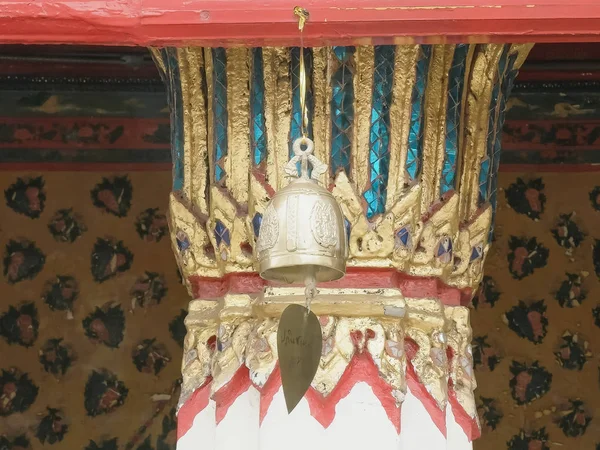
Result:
[[302, 234]]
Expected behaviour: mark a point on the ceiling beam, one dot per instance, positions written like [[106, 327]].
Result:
[[270, 22]]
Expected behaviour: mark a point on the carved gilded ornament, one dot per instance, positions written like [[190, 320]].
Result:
[[426, 171], [241, 330]]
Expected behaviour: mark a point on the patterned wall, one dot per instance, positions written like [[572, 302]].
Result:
[[536, 318], [91, 316], [91, 310]]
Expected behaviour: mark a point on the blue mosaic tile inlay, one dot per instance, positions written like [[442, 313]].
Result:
[[415, 133], [258, 132], [342, 109], [219, 111], [379, 136], [456, 81]]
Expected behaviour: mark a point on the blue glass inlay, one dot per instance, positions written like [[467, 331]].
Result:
[[221, 233], [183, 242], [484, 172], [379, 137], [403, 236], [444, 247], [456, 81], [296, 123], [348, 227], [475, 253], [175, 99], [507, 85], [258, 133], [492, 122], [219, 100], [342, 109], [415, 134], [256, 221]]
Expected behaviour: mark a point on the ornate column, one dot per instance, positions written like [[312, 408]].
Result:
[[411, 135]]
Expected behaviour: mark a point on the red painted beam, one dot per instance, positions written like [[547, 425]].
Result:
[[270, 22]]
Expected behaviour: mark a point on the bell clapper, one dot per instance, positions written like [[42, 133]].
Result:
[[310, 281]]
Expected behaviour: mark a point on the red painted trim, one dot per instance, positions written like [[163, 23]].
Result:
[[359, 278], [469, 425], [72, 133], [190, 409], [227, 394], [268, 392], [420, 391], [361, 368], [86, 167], [574, 134], [270, 22], [530, 168]]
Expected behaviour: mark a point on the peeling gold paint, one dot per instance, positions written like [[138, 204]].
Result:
[[238, 115], [400, 112], [278, 107], [364, 58], [480, 87], [436, 100], [191, 69], [321, 86]]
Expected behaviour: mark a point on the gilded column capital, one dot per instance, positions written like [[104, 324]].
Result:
[[411, 135]]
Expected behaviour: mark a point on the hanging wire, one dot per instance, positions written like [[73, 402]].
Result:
[[302, 15]]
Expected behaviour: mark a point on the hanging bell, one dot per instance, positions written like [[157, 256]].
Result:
[[302, 233]]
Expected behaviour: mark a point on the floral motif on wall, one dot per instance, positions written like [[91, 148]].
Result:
[[177, 328], [106, 325], [150, 356], [148, 290], [151, 225], [487, 295], [527, 197], [103, 393], [27, 196], [490, 414], [529, 382], [110, 257], [56, 357], [573, 418], [52, 428], [526, 256], [22, 260], [528, 321], [572, 354], [66, 226], [113, 195], [534, 440], [484, 354], [20, 325], [571, 294], [17, 392], [567, 233]]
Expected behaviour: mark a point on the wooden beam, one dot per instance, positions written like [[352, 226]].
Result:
[[271, 22]]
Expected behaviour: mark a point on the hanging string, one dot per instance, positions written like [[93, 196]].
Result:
[[302, 15]]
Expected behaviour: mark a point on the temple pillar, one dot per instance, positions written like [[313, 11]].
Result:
[[411, 135]]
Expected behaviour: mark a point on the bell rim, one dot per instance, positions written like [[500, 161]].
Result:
[[336, 266]]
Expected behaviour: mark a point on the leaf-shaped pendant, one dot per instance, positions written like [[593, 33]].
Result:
[[299, 344]]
